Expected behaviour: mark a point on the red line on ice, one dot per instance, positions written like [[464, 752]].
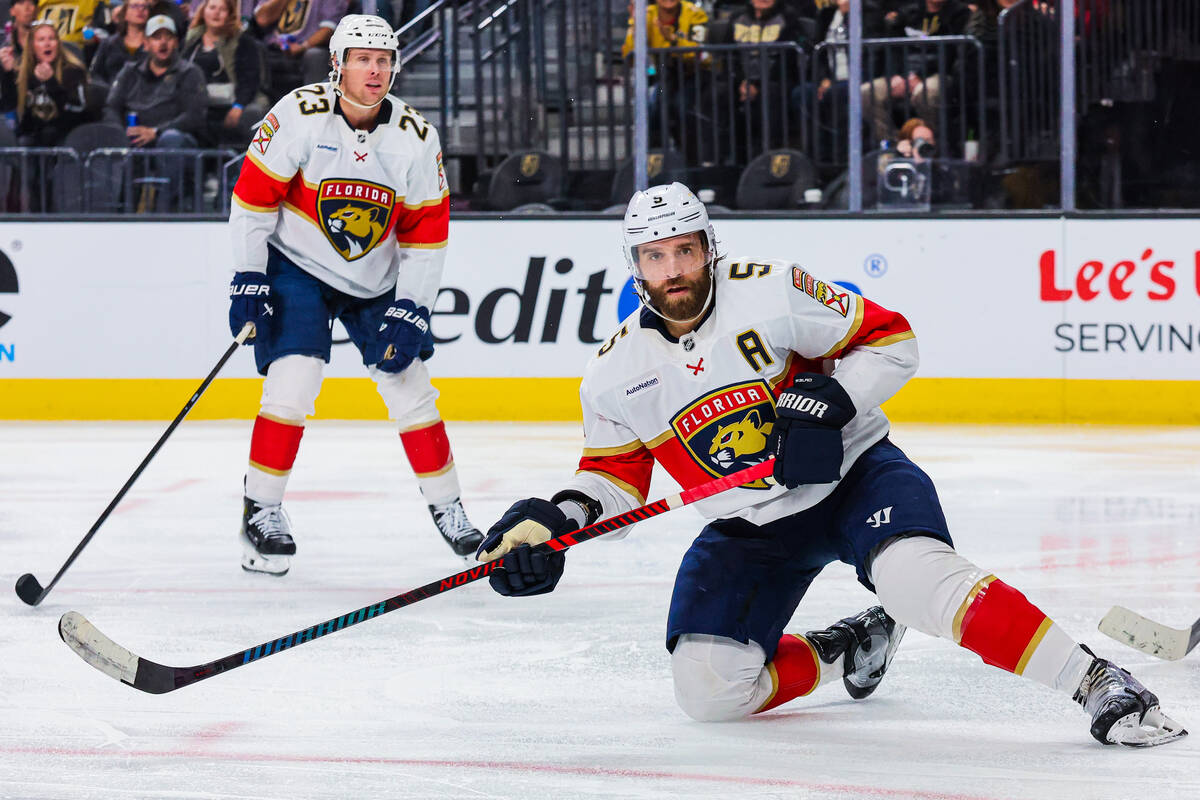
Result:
[[852, 790]]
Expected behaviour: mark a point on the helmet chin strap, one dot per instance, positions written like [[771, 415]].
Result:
[[712, 285], [338, 91]]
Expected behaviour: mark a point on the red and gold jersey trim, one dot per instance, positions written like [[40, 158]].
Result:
[[624, 486]]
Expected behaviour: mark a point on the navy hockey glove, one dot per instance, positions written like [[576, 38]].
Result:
[[400, 335], [250, 301], [807, 436], [526, 571]]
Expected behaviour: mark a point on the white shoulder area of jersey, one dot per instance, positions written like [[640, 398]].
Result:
[[612, 357], [291, 106], [756, 280], [405, 117]]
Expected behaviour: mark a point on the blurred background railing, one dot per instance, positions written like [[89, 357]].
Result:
[[535, 104]]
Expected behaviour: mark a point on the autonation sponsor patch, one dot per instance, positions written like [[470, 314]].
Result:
[[644, 383]]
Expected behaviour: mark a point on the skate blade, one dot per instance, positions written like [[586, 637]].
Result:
[[1154, 729], [254, 561]]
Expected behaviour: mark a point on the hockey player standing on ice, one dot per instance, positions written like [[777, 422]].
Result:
[[341, 211], [725, 365]]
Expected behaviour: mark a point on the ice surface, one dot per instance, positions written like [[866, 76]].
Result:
[[470, 695]]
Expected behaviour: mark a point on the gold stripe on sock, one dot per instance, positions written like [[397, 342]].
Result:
[[282, 420], [420, 426], [1033, 645], [435, 473], [962, 610], [269, 470], [774, 687], [816, 660]]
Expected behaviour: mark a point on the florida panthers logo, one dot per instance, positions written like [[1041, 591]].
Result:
[[727, 429], [355, 215]]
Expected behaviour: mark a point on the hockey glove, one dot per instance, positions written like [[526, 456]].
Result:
[[250, 301], [400, 335], [807, 436], [525, 571]]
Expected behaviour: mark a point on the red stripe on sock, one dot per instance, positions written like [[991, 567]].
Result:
[[428, 449], [274, 444], [999, 625], [794, 671]]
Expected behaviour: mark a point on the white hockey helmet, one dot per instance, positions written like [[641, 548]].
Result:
[[661, 212], [361, 30]]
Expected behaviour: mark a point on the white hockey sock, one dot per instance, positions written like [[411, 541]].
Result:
[[924, 584]]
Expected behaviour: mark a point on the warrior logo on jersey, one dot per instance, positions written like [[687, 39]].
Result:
[[821, 291], [727, 429], [355, 215]]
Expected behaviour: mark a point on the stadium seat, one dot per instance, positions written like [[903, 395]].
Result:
[[524, 177], [665, 166], [102, 179], [776, 179], [92, 135]]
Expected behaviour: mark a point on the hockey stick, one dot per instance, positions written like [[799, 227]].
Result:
[[28, 587], [1149, 636], [112, 659]]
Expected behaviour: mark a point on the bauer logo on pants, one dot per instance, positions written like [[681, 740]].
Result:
[[355, 215], [726, 430]]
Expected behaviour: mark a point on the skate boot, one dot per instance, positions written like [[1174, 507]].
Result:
[[267, 544], [456, 529], [1122, 710], [866, 641]]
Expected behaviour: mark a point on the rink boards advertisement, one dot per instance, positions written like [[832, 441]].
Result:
[[1017, 320]]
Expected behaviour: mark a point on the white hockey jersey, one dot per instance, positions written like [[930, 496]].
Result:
[[704, 405], [363, 211]]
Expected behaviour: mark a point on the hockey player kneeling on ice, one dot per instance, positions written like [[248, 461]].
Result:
[[342, 212], [732, 361]]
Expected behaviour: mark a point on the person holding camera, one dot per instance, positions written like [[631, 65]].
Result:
[[916, 140]]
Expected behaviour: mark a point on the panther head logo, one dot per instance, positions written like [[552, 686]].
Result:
[[741, 440], [360, 227], [354, 214]]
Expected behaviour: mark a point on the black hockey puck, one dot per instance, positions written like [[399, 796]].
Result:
[[29, 590]]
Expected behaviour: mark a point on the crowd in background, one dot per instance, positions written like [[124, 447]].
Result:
[[166, 74], [201, 73]]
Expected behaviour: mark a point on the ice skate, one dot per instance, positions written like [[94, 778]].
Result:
[[456, 529], [1122, 710], [866, 641], [267, 544]]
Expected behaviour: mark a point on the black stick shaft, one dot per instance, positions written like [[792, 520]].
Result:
[[142, 466], [157, 679]]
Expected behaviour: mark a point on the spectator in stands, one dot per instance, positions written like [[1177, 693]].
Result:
[[826, 96], [728, 9], [50, 83], [298, 33], [670, 23], [773, 69], [920, 84], [81, 24], [127, 44], [167, 94], [229, 60], [916, 140], [16, 33]]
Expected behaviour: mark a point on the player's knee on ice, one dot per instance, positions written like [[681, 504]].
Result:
[[719, 679]]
